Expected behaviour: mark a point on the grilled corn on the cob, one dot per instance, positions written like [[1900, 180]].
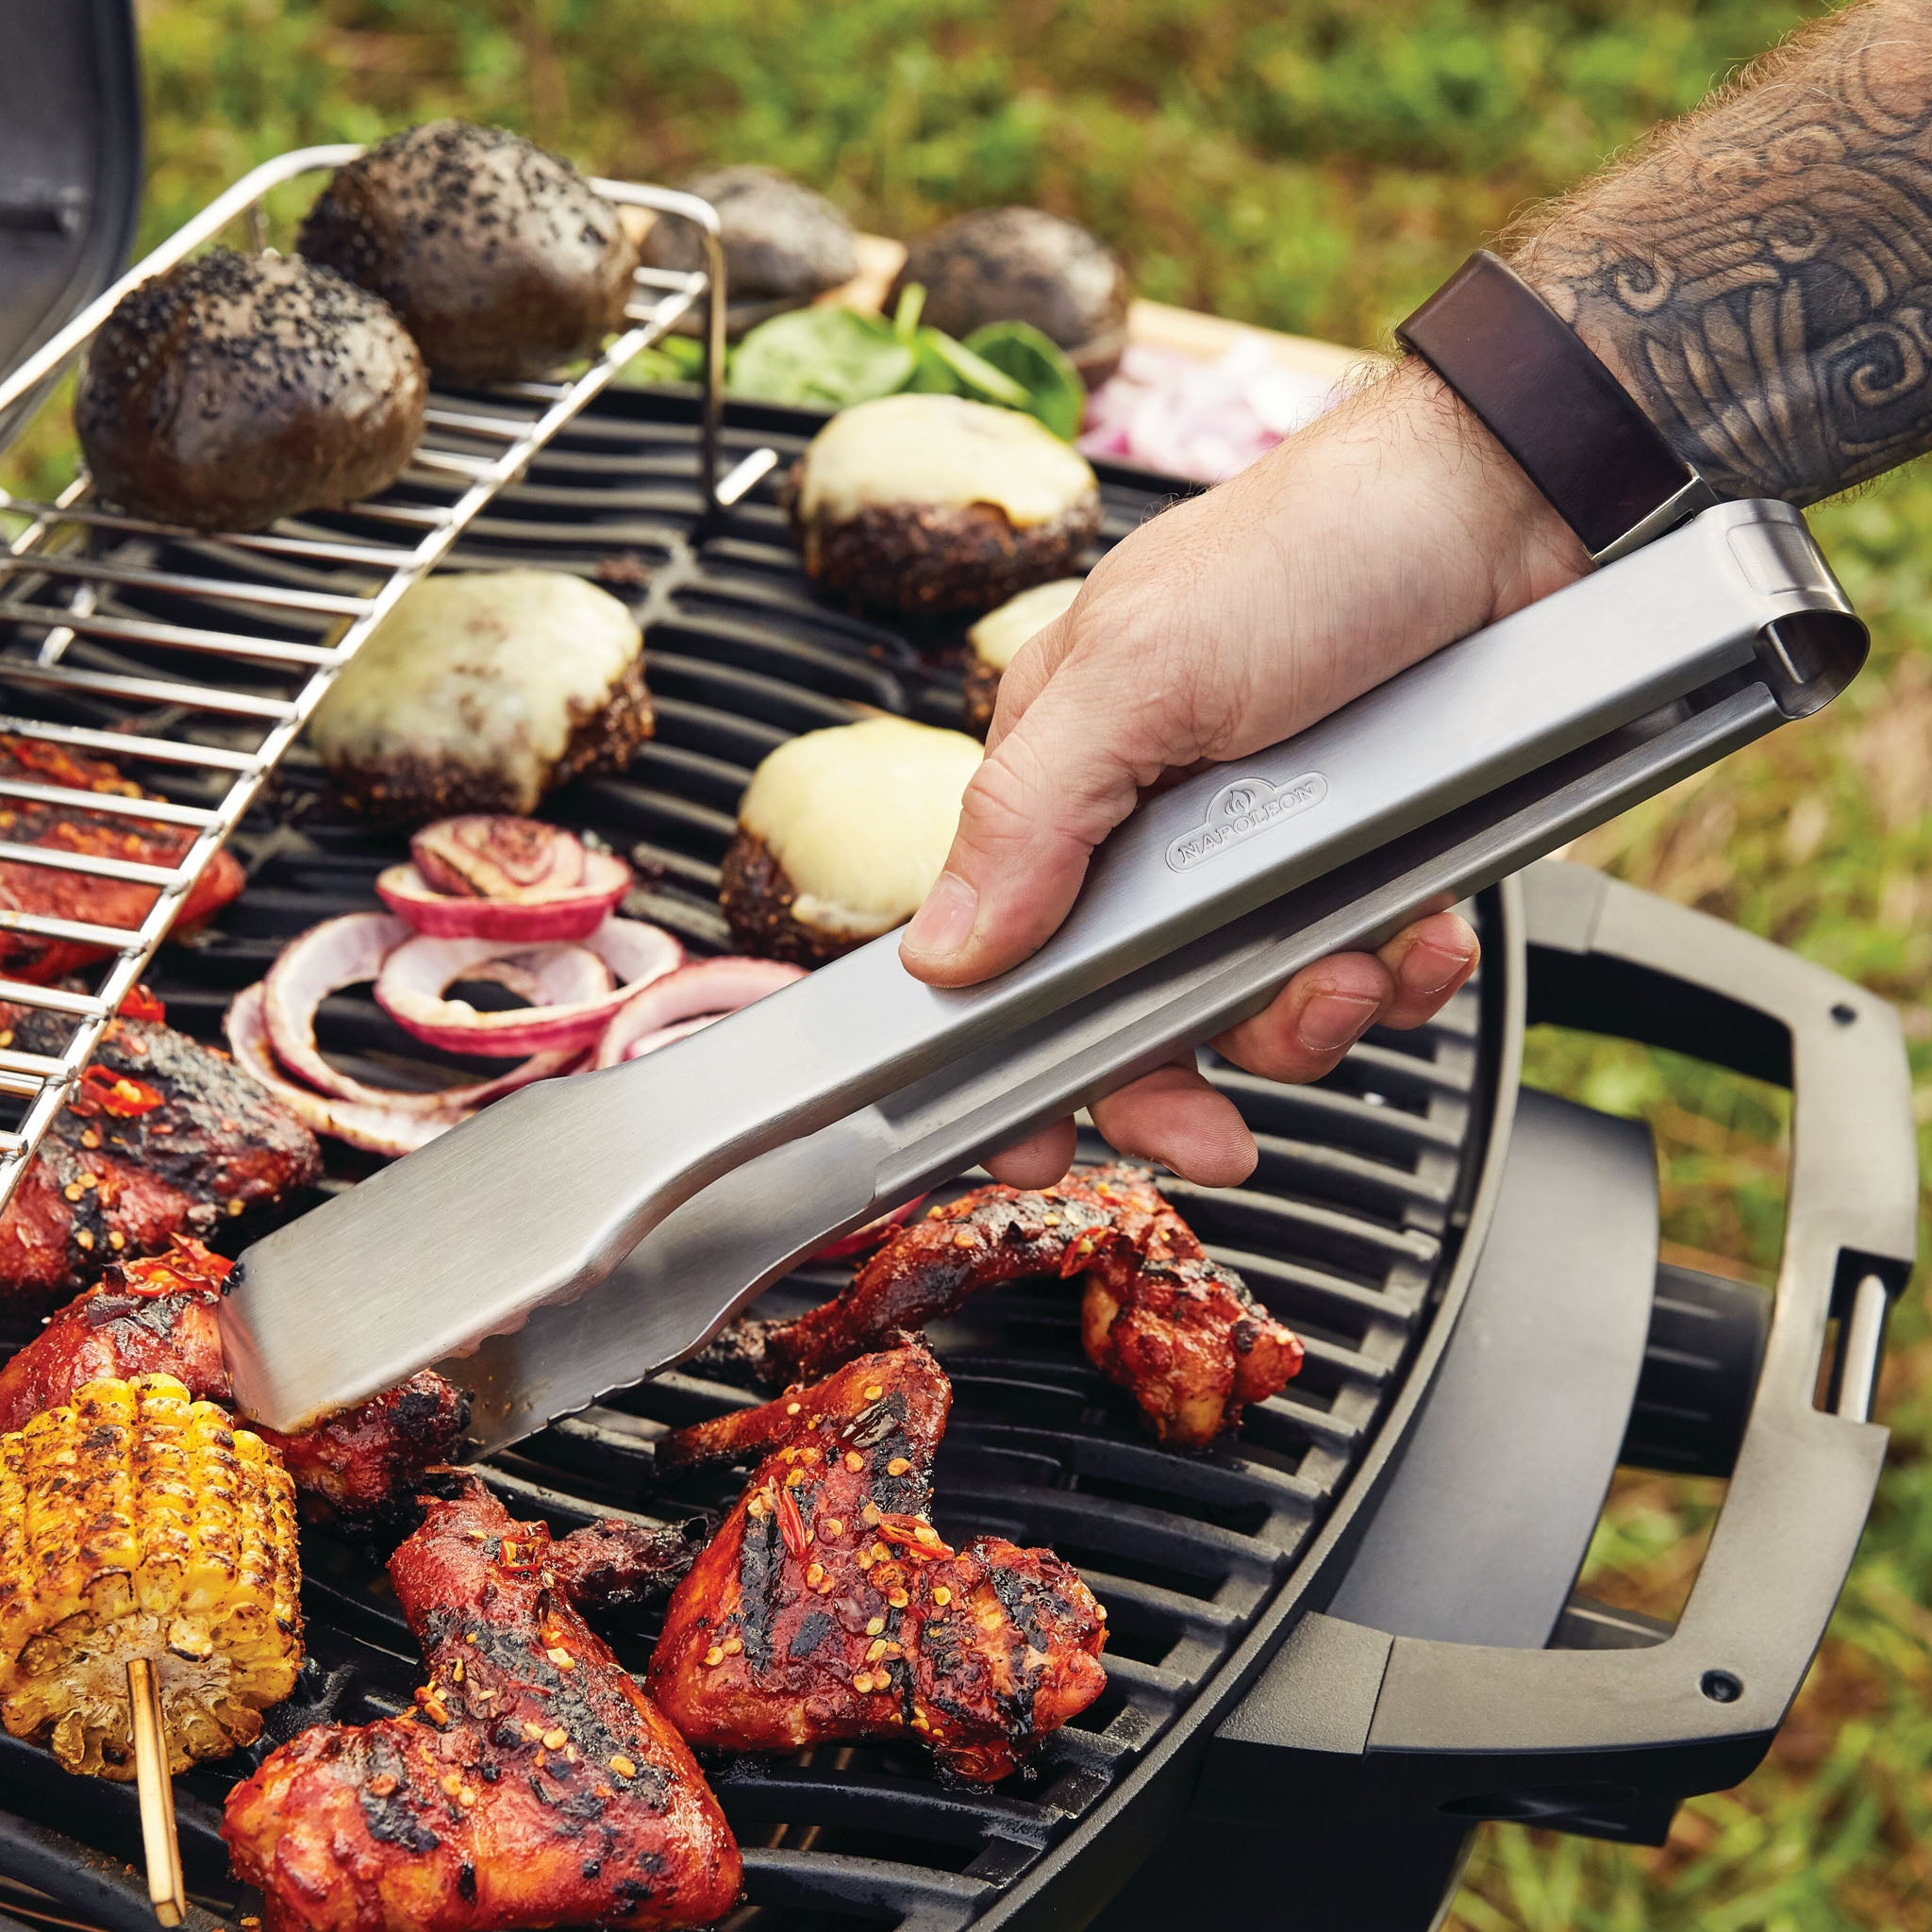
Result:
[[137, 1522]]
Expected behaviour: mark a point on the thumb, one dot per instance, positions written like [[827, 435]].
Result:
[[1023, 681], [1060, 780]]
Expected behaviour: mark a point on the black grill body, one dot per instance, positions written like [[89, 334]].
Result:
[[1366, 1226]]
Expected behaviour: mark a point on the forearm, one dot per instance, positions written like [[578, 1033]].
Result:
[[1759, 274]]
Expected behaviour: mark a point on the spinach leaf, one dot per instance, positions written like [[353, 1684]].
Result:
[[822, 357], [972, 375], [1037, 366]]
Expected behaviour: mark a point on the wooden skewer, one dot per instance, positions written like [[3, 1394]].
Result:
[[165, 1889]]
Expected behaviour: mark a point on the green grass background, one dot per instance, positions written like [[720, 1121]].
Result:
[[1316, 165]]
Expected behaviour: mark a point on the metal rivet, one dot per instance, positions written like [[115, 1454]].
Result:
[[1721, 1687]]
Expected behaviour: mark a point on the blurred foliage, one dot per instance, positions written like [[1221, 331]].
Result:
[[1316, 166]]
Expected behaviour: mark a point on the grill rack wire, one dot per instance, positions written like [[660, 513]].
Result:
[[474, 445]]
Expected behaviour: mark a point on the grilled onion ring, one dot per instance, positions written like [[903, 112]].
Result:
[[379, 1129], [346, 952], [685, 1001], [574, 915], [572, 1002]]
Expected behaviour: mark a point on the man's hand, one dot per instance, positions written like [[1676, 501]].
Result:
[[1758, 275], [1387, 529]]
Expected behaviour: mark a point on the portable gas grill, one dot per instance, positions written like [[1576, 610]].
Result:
[[1336, 1642]]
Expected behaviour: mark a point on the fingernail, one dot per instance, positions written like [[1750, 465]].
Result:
[[944, 924], [1335, 1020], [1429, 968]]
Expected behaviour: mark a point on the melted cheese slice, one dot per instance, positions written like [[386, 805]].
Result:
[[861, 818], [997, 636], [941, 452], [491, 670]]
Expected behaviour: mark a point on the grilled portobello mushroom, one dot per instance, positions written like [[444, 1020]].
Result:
[[1022, 264], [479, 692], [500, 258], [840, 834], [783, 243], [930, 505], [234, 390]]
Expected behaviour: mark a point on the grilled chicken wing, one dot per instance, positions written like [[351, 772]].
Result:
[[164, 1137], [157, 1316], [52, 893], [828, 1607], [1159, 1317], [533, 1785]]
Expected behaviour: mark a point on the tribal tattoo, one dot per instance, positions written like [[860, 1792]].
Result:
[[1759, 274]]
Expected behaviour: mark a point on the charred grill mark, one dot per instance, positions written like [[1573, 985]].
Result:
[[387, 1797], [876, 1421], [392, 1821], [760, 1566], [1018, 1597], [814, 1627]]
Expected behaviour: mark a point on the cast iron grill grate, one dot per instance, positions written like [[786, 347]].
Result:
[[1347, 1230]]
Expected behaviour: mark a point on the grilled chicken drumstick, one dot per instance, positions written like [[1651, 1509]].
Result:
[[57, 827], [157, 1316], [1159, 1317], [828, 1607], [163, 1136], [533, 1785]]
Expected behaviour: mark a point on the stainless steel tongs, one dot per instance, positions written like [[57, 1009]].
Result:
[[584, 1234]]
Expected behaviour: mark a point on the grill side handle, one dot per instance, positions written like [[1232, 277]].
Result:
[[1479, 1732]]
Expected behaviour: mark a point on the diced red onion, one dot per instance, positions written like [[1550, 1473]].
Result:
[[380, 1129], [872, 1234], [572, 1003], [572, 914], [681, 1001], [1174, 413], [483, 856], [347, 952]]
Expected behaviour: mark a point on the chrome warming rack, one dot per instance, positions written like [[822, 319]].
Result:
[[223, 732]]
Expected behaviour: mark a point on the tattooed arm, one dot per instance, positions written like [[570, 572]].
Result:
[[1759, 275]]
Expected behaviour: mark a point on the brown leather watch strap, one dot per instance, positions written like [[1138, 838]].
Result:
[[1572, 427]]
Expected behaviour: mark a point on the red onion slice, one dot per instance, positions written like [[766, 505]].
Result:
[[486, 857], [650, 1043], [571, 915], [380, 1129], [872, 1234], [570, 1012], [681, 1001], [345, 952]]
